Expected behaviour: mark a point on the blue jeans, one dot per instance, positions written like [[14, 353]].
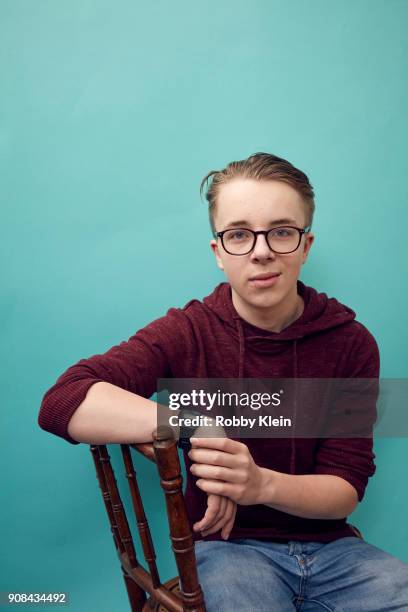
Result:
[[346, 575]]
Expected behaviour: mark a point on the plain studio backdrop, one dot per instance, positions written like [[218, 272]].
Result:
[[111, 114]]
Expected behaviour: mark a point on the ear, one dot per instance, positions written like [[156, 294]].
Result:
[[309, 239], [215, 250]]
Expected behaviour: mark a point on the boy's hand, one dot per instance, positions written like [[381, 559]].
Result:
[[226, 467], [220, 514]]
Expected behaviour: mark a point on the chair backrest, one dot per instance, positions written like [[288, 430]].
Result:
[[139, 581]]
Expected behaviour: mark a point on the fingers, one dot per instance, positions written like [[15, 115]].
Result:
[[225, 444], [230, 519], [214, 457], [216, 506], [216, 472], [219, 487], [220, 514], [215, 509], [216, 527], [225, 523]]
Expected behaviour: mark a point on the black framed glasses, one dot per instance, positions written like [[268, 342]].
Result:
[[282, 240]]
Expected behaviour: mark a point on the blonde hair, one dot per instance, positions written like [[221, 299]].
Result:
[[262, 167]]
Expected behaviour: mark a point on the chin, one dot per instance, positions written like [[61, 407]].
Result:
[[266, 303], [264, 300]]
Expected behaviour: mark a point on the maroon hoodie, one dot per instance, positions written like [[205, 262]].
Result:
[[208, 339]]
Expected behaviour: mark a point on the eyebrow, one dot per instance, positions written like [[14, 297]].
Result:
[[243, 223]]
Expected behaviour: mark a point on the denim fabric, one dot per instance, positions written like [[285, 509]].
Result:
[[346, 575]]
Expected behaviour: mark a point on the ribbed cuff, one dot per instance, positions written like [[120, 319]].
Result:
[[60, 404]]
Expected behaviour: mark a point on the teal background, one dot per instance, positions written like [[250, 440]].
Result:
[[111, 114]]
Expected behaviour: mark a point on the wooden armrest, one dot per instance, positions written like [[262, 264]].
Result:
[[146, 448]]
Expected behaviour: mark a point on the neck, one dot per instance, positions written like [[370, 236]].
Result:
[[275, 318]]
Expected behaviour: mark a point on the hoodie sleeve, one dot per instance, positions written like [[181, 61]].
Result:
[[134, 365], [353, 458]]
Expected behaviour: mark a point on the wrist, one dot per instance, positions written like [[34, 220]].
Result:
[[267, 486]]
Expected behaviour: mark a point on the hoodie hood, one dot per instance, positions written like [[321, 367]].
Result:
[[320, 313]]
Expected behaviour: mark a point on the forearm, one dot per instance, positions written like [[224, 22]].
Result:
[[110, 414], [316, 496]]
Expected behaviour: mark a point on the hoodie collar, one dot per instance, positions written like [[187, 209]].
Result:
[[319, 313]]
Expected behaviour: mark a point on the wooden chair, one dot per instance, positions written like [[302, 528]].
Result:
[[183, 592]]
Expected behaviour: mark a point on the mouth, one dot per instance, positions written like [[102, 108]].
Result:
[[264, 280]]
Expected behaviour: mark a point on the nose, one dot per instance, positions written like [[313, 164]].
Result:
[[261, 250]]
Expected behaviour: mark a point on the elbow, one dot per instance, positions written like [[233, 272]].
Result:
[[350, 500], [353, 497], [74, 429], [343, 498], [353, 505]]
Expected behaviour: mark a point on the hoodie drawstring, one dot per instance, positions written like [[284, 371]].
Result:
[[241, 349], [295, 375]]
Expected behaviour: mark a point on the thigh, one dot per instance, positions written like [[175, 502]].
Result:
[[239, 578], [351, 575]]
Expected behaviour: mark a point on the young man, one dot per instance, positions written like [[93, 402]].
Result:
[[281, 503]]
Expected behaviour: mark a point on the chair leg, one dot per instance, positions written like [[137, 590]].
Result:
[[137, 596]]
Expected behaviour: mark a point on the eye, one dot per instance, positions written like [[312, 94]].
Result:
[[283, 232], [237, 235]]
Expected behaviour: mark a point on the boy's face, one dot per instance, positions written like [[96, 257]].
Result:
[[261, 205]]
